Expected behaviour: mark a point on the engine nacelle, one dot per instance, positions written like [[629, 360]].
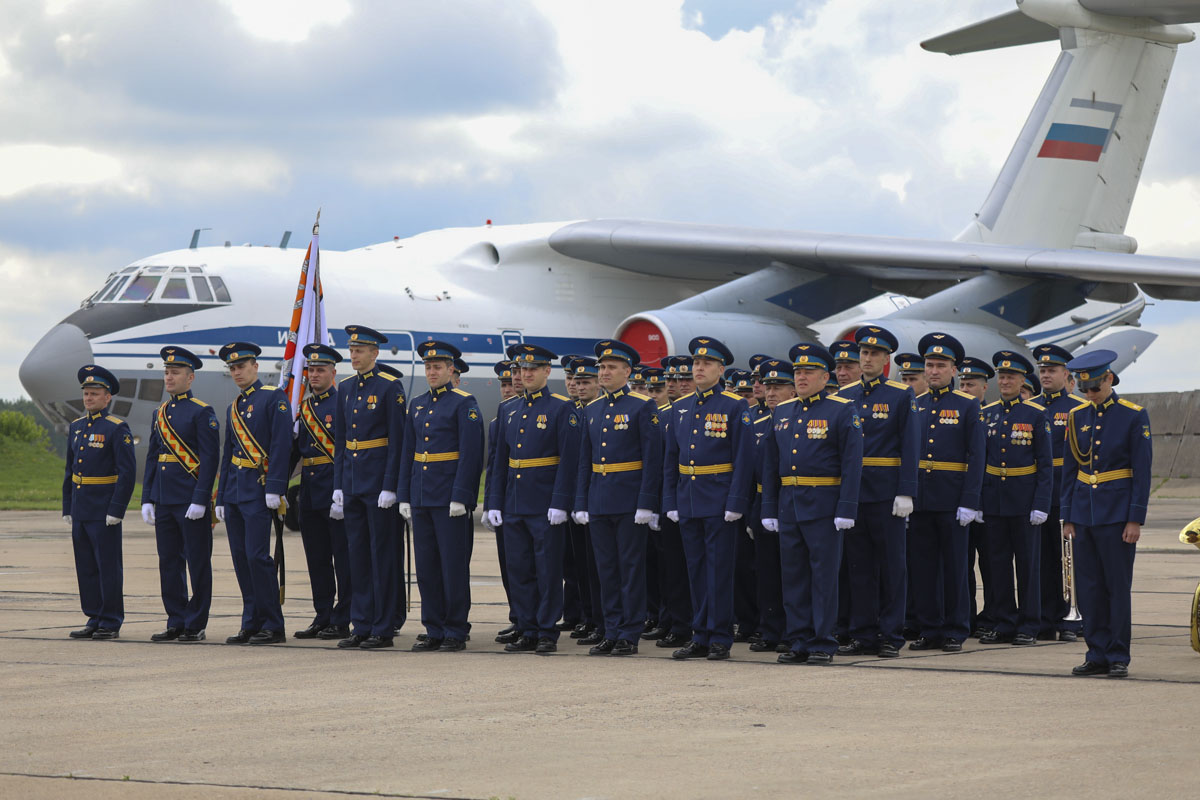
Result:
[[668, 331]]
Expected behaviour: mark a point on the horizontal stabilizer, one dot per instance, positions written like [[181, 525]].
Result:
[[1006, 30], [1128, 343]]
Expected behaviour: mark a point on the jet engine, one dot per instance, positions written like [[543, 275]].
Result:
[[667, 331]]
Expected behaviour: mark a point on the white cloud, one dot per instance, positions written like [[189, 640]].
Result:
[[896, 183], [1163, 218], [31, 166], [290, 21]]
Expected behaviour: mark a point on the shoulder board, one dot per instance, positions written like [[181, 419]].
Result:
[[764, 418], [922, 394], [1077, 398], [509, 400], [267, 388], [837, 399], [114, 418], [993, 403], [734, 395], [558, 396], [461, 392], [1129, 404], [1081, 405], [897, 384], [590, 402], [199, 402], [639, 395], [1038, 406], [387, 376], [785, 402], [664, 406], [961, 393], [685, 397], [80, 419], [346, 380]]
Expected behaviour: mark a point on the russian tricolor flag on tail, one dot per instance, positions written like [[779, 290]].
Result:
[[308, 324], [1075, 142]]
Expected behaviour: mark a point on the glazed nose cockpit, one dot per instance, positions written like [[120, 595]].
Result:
[[161, 284]]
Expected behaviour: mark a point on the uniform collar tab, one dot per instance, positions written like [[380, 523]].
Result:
[[184, 395]]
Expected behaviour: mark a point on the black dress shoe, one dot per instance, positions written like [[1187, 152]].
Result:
[[334, 632], [910, 634], [524, 644], [691, 650], [105, 633], [820, 659], [624, 647], [268, 637], [190, 635], [1114, 670], [857, 647], [763, 646], [978, 632], [792, 657], [995, 637], [1091, 668], [842, 638], [603, 648], [581, 630], [783, 647], [376, 643], [1068, 636], [352, 641], [888, 650], [925, 643], [88, 632], [595, 637], [565, 626], [426, 645], [717, 652], [452, 645], [952, 646], [169, 635], [241, 637], [545, 647], [673, 640], [508, 635], [740, 635], [655, 633], [1024, 639], [422, 637], [311, 632], [649, 625]]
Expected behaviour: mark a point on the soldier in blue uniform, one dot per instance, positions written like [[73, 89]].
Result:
[[617, 492], [1106, 489], [912, 372], [876, 544], [812, 468], [973, 376], [847, 369], [655, 387], [508, 390], [254, 477], [366, 463], [576, 591], [949, 480], [1031, 387], [637, 379], [177, 483], [400, 528], [707, 472], [758, 406], [682, 375], [1016, 500], [745, 588], [535, 467], [776, 377], [438, 483], [97, 484]]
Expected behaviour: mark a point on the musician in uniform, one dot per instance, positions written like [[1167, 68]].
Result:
[[776, 377], [182, 459], [1106, 489], [973, 376], [508, 390], [97, 483], [254, 478]]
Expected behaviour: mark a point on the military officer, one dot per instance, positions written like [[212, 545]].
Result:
[[707, 472], [254, 478], [97, 483], [1031, 387], [637, 379], [1016, 500], [536, 464], [1106, 488], [399, 531], [177, 483], [579, 566], [973, 376], [576, 592], [369, 439], [775, 375], [847, 368], [949, 480], [745, 593], [912, 372], [617, 491], [682, 375], [758, 406], [460, 368], [508, 389], [812, 468], [655, 387]]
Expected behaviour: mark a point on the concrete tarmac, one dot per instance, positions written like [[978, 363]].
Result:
[[133, 719]]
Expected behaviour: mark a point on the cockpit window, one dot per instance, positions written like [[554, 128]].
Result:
[[203, 294], [114, 289], [178, 269], [176, 289], [195, 269], [156, 269], [221, 291], [141, 289]]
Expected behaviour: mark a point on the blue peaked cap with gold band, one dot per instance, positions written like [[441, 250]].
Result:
[[461, 366], [179, 357], [1009, 361], [774, 370], [361, 334], [583, 367], [844, 352], [1051, 355], [1034, 384], [810, 355], [941, 345], [503, 370], [615, 348], [531, 355], [96, 375], [677, 366], [757, 359], [1090, 368], [234, 352], [321, 354], [708, 347], [875, 336], [910, 362], [972, 367], [430, 351], [654, 376]]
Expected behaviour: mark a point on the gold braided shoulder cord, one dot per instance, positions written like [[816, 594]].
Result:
[[1081, 459]]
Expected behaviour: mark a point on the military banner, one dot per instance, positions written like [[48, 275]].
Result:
[[308, 324]]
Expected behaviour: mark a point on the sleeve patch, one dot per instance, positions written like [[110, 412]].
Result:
[[1146, 431], [573, 419], [283, 408], [473, 414], [212, 423], [857, 422], [654, 420], [746, 418]]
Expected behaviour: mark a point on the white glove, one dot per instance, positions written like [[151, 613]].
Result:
[[220, 513], [495, 517], [336, 512], [750, 532], [386, 499], [1037, 517], [456, 510], [487, 520], [673, 516], [111, 520], [556, 516], [843, 524], [965, 516], [338, 499], [771, 525], [67, 518], [581, 517], [406, 510], [148, 513], [979, 516], [195, 511], [655, 522], [642, 516], [272, 501], [732, 516], [902, 506]]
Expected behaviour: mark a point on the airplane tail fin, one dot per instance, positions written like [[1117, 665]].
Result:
[[1072, 174]]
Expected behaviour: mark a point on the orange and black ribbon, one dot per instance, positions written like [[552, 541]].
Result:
[[170, 438]]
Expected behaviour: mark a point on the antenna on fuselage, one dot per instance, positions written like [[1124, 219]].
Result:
[[287, 236], [196, 237]]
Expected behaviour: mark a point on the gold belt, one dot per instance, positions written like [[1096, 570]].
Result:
[[522, 463], [92, 481], [943, 466], [1058, 462], [711, 469], [759, 488], [366, 444], [1104, 477], [805, 480], [316, 460], [436, 456], [243, 463], [1011, 472], [880, 461], [620, 466]]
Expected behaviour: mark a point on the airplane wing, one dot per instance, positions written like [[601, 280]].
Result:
[[721, 253]]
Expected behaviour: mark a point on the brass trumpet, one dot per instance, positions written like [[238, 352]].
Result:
[[1068, 579]]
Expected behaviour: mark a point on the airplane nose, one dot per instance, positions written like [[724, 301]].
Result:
[[48, 372]]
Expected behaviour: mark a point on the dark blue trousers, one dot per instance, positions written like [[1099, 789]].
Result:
[[400, 529], [620, 548], [184, 547], [328, 558], [653, 588], [534, 551], [810, 557], [371, 534], [1054, 606], [745, 582], [1104, 574], [878, 574], [442, 549], [576, 592], [99, 570], [771, 619], [249, 528], [709, 545], [1012, 538], [938, 570], [674, 586], [512, 615], [981, 617]]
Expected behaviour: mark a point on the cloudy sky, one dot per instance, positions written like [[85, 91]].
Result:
[[128, 124]]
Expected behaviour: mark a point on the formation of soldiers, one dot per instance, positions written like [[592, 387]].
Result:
[[809, 507]]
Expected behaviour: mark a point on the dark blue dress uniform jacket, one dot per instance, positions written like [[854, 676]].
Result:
[[953, 449], [370, 433], [268, 417], [891, 438], [620, 455], [168, 482], [1106, 474], [100, 469], [812, 460], [316, 479], [1020, 468], [1058, 407], [709, 432], [443, 450], [492, 437], [537, 454]]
